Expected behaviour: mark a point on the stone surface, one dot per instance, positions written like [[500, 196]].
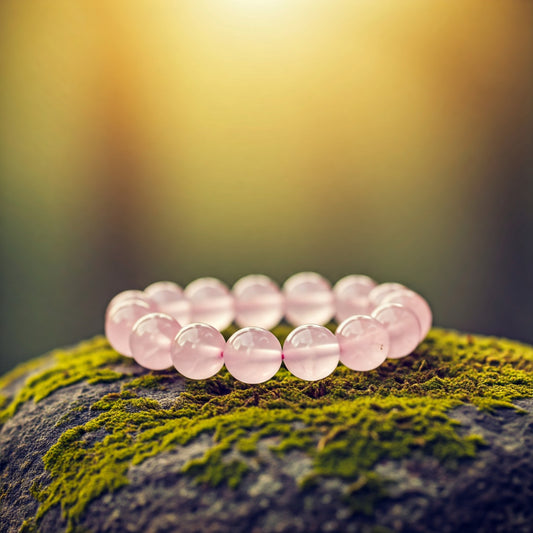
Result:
[[441, 440]]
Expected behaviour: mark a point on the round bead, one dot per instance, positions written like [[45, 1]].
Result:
[[351, 296], [211, 302], [416, 303], [150, 340], [376, 295], [124, 296], [196, 351], [364, 342], [403, 328], [311, 352], [258, 302], [170, 299], [252, 355], [120, 321], [308, 299]]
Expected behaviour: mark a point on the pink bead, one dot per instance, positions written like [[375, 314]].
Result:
[[311, 352], [124, 296], [252, 355], [211, 302], [258, 302], [416, 303], [403, 328], [170, 299], [120, 321], [351, 296], [364, 342], [197, 350], [376, 295], [308, 299], [150, 340]]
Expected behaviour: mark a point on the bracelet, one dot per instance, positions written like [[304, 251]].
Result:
[[166, 326]]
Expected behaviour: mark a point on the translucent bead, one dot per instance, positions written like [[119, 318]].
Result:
[[211, 302], [196, 351], [351, 296], [403, 328], [150, 340], [416, 303], [258, 302], [120, 321], [170, 299], [376, 295], [364, 342], [252, 355], [311, 352], [308, 299], [124, 296]]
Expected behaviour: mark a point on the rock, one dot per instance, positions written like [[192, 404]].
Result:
[[438, 441]]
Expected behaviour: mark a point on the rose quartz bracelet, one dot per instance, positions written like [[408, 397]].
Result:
[[165, 325]]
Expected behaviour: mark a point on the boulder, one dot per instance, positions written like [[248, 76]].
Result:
[[441, 440]]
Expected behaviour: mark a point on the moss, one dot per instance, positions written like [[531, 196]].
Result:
[[87, 361], [214, 470], [148, 381], [346, 423]]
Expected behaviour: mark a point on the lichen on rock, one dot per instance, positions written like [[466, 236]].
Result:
[[110, 426]]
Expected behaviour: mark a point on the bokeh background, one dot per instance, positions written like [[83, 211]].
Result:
[[171, 139]]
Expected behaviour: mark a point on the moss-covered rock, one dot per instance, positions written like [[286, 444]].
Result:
[[438, 441]]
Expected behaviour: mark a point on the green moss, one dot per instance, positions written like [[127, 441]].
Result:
[[148, 381], [346, 423], [87, 361]]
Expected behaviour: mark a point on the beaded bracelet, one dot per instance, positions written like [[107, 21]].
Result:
[[166, 326]]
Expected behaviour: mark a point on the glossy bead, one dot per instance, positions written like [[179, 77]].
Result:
[[170, 299], [416, 303], [376, 295], [258, 302], [308, 299], [211, 302], [196, 351], [403, 328], [252, 355], [364, 342], [351, 296], [311, 352], [150, 340], [120, 321], [124, 296]]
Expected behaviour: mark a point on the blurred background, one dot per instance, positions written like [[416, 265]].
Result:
[[142, 141]]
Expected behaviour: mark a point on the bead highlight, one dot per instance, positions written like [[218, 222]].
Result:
[[308, 299], [311, 352], [364, 342], [258, 302], [150, 340], [252, 355], [403, 328], [196, 351], [211, 302]]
